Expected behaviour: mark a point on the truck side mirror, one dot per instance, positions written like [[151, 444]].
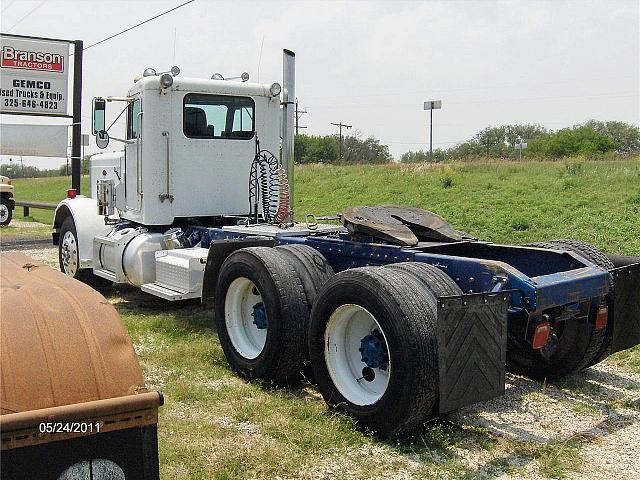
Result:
[[99, 107]]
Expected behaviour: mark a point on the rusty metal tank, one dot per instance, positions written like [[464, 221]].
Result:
[[72, 397]]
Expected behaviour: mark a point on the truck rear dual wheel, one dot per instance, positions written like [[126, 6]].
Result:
[[262, 304], [580, 345], [69, 257], [373, 347], [311, 266]]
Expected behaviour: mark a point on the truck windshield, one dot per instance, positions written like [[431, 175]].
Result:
[[218, 116]]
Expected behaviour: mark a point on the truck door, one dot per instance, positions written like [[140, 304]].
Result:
[[133, 155], [216, 148]]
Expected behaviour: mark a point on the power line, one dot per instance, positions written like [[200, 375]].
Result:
[[137, 25], [340, 125], [29, 13]]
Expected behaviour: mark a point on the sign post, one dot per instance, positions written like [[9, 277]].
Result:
[[76, 130], [431, 106], [35, 82], [520, 145]]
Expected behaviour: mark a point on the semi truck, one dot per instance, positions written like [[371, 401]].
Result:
[[400, 316]]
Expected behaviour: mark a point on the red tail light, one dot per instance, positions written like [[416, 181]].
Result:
[[602, 317], [71, 193], [541, 335]]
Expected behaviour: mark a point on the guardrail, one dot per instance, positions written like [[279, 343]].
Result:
[[42, 205]]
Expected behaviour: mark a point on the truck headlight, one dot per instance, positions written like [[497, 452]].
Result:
[[275, 89]]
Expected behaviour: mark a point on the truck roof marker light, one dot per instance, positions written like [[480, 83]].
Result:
[[149, 72], [602, 317], [275, 89], [217, 76], [71, 193], [541, 335], [244, 77], [175, 70]]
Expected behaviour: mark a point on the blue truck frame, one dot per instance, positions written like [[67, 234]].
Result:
[[538, 279], [506, 292]]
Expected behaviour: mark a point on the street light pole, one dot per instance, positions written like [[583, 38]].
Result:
[[431, 106], [431, 135]]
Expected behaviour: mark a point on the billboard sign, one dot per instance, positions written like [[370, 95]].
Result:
[[34, 75]]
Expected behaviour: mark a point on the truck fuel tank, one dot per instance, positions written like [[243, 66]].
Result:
[[128, 255]]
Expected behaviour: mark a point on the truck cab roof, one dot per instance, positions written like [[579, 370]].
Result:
[[204, 85]]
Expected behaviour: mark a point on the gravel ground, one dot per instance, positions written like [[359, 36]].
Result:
[[598, 408]]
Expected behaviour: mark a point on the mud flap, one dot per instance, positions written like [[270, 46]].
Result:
[[472, 348], [626, 307]]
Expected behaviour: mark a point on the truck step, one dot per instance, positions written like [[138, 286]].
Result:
[[167, 293]]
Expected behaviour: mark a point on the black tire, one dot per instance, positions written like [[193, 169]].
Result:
[[438, 282], [406, 312], [312, 267], [9, 212], [580, 344], [85, 275], [287, 313]]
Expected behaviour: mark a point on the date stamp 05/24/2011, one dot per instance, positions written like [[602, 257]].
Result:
[[69, 427]]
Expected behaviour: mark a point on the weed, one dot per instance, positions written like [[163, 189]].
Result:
[[574, 167], [446, 181], [520, 225]]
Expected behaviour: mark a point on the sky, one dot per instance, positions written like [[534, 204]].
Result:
[[371, 64]]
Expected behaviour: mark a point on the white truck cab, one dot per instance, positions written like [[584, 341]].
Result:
[[190, 148]]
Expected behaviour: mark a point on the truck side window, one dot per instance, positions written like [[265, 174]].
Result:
[[218, 116], [133, 120]]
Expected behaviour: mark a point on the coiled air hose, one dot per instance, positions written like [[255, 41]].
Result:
[[269, 186]]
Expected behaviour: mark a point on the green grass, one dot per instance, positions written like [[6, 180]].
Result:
[[47, 189], [215, 425], [506, 202]]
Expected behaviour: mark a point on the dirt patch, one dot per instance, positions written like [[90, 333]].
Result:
[[22, 224]]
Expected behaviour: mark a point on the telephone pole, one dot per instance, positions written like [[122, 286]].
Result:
[[299, 113], [340, 125]]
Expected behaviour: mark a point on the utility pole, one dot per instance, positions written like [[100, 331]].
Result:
[[299, 113], [340, 126]]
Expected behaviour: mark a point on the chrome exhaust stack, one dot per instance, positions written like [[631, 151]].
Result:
[[288, 126]]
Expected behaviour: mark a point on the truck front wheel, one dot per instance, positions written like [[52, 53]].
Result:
[[5, 211], [69, 257]]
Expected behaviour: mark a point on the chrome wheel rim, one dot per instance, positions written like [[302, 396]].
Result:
[[4, 213], [69, 254]]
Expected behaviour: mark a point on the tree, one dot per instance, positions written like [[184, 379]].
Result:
[[422, 156], [370, 150], [626, 136], [324, 149], [570, 142]]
